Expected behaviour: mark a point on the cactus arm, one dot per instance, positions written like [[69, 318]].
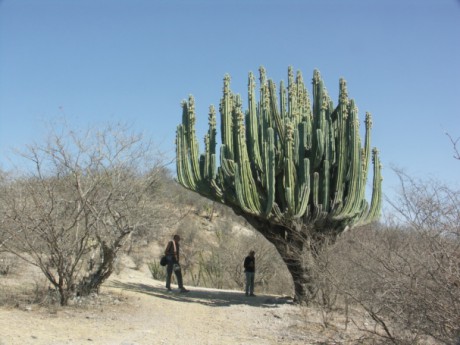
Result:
[[289, 171], [244, 181], [325, 185], [227, 165], [182, 160], [317, 207], [319, 112], [205, 162], [303, 193], [365, 158], [252, 126], [240, 192], [341, 113], [274, 110], [303, 103], [292, 94], [211, 145], [187, 147], [350, 207], [210, 166], [283, 100], [269, 183], [376, 200], [367, 143], [225, 108], [191, 138]]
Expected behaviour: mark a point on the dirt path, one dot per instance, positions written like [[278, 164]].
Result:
[[141, 311]]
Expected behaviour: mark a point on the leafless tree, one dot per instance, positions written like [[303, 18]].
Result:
[[454, 145], [79, 197]]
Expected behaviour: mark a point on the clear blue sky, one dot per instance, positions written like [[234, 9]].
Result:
[[133, 61]]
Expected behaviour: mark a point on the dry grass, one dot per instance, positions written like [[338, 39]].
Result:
[[23, 285]]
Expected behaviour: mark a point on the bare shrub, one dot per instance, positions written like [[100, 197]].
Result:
[[76, 201], [25, 295], [8, 264], [139, 256], [158, 272], [406, 274], [327, 294]]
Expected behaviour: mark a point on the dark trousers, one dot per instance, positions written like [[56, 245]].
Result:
[[250, 283], [178, 273]]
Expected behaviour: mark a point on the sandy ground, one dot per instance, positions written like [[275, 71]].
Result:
[[138, 310]]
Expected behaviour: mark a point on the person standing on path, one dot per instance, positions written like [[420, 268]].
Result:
[[250, 270], [172, 253]]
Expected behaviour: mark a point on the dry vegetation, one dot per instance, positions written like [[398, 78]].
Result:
[[396, 283], [377, 284]]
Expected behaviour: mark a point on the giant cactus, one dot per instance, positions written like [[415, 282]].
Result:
[[295, 169]]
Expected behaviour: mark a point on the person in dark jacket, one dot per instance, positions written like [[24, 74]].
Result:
[[250, 270], [172, 252]]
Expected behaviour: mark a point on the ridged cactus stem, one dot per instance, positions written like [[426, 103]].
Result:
[[376, 201], [292, 94], [341, 148], [269, 172], [352, 203], [254, 148], [365, 158], [367, 143], [191, 138], [226, 106], [289, 171], [210, 146], [264, 107], [275, 112], [244, 181], [187, 146], [283, 100]]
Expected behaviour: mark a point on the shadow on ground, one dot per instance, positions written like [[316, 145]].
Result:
[[212, 298]]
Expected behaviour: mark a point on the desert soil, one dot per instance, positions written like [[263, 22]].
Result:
[[134, 309]]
